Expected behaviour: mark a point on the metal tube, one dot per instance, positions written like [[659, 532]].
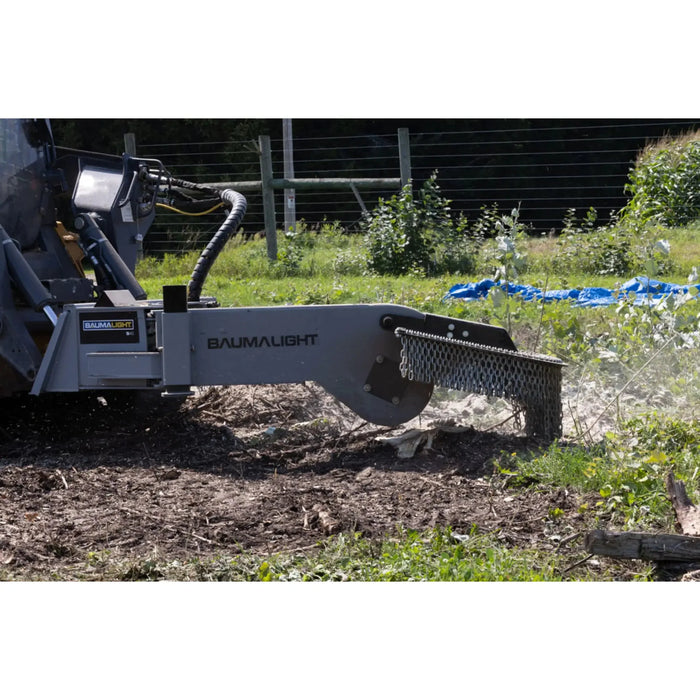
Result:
[[25, 279]]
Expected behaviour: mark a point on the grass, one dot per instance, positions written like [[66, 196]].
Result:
[[332, 265], [435, 555], [625, 472]]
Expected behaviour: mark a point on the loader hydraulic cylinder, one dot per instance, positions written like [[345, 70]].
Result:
[[25, 279], [112, 270]]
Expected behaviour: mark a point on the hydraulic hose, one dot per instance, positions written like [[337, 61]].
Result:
[[216, 244], [187, 185]]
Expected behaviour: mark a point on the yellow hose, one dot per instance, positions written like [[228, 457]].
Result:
[[186, 213]]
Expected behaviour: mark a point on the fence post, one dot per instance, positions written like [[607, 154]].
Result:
[[268, 196], [290, 209], [404, 157]]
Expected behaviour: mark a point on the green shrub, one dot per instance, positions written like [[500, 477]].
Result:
[[607, 252], [665, 182], [415, 233], [621, 249]]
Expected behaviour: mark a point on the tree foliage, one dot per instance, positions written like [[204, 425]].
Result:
[[665, 183], [415, 233]]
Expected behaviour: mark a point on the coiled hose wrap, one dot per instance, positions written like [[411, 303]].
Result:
[[238, 205]]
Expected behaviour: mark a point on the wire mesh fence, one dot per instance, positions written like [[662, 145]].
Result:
[[544, 170]]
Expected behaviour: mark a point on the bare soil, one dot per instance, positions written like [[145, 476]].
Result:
[[243, 469]]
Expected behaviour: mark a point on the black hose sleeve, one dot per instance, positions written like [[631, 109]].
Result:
[[185, 185], [216, 244]]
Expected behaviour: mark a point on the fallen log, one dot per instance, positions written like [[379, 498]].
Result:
[[687, 513], [640, 545]]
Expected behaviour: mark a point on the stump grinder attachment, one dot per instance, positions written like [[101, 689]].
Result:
[[62, 330]]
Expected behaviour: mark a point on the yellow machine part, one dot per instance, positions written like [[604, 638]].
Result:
[[70, 241]]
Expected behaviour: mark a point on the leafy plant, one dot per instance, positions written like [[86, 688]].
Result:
[[510, 261], [619, 249], [572, 225], [290, 254], [624, 475], [665, 183], [415, 233], [486, 225], [507, 258]]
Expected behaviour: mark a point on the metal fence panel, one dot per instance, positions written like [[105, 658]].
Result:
[[545, 170]]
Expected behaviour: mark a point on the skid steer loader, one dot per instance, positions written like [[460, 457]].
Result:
[[63, 329]]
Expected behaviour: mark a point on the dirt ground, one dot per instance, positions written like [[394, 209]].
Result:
[[244, 469]]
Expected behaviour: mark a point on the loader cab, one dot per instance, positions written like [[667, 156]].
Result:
[[26, 148], [30, 184]]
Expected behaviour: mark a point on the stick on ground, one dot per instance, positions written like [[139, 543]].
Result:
[[687, 513]]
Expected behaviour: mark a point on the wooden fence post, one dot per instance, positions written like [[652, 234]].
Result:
[[268, 196]]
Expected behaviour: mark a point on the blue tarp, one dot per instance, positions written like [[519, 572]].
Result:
[[641, 290]]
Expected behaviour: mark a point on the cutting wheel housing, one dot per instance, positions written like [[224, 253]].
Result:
[[531, 381]]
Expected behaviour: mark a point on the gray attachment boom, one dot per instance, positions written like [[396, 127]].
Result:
[[343, 348], [383, 371]]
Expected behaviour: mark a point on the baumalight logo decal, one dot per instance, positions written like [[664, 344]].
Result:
[[262, 341], [112, 324]]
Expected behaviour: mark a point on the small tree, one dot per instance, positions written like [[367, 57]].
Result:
[[414, 233], [509, 261]]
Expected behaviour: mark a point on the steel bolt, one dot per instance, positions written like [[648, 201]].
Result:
[[395, 400], [367, 387], [380, 359]]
